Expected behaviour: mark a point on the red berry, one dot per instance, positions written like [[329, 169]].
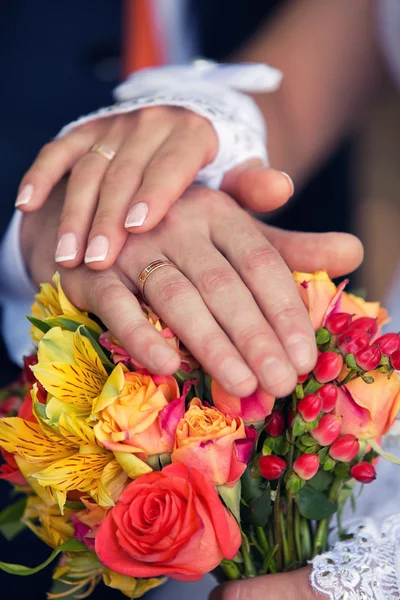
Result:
[[306, 466], [309, 407], [327, 431], [329, 364], [363, 472], [272, 467], [395, 360], [302, 378], [368, 358], [329, 394], [353, 340], [388, 343], [275, 423], [369, 325], [338, 322], [345, 448]]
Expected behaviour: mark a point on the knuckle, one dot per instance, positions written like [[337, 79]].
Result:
[[119, 171], [101, 291], [172, 289], [152, 113], [135, 333], [104, 218], [287, 315], [262, 258], [254, 336], [213, 345], [217, 279]]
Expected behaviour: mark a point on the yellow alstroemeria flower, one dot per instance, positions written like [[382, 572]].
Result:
[[80, 574], [62, 455], [47, 522], [129, 586], [51, 303]]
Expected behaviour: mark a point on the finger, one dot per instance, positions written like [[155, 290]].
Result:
[[172, 169], [121, 182], [107, 297], [236, 311], [337, 253], [268, 277], [258, 188], [180, 305], [53, 161], [82, 197]]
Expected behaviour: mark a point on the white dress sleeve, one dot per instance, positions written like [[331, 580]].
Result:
[[367, 566]]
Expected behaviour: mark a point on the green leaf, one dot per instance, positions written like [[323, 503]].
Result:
[[69, 546], [11, 530], [312, 386], [321, 481], [69, 325], [350, 361], [259, 509], [13, 512], [386, 455], [314, 504], [231, 497], [41, 325], [251, 486]]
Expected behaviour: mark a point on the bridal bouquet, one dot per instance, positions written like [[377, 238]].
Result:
[[132, 477]]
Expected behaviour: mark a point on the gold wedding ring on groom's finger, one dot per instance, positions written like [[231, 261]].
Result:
[[147, 271], [104, 151]]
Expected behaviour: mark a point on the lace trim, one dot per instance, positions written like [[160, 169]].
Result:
[[366, 566]]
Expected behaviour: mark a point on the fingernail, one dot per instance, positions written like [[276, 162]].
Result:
[[273, 372], [67, 248], [97, 249], [235, 371], [160, 356], [300, 352], [290, 181], [25, 195], [137, 215]]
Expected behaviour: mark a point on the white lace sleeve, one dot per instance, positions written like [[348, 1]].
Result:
[[212, 90], [366, 566]]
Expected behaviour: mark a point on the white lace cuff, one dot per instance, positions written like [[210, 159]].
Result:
[[366, 566], [211, 90]]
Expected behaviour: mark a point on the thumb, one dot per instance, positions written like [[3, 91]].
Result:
[[256, 187]]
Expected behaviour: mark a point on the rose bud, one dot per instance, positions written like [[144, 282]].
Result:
[[327, 430], [353, 340], [329, 394], [309, 407], [345, 448], [306, 466], [329, 364], [369, 325], [388, 343], [368, 358], [363, 472], [275, 424], [395, 360], [272, 467], [338, 323]]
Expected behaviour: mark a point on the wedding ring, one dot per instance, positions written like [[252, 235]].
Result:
[[104, 151], [147, 271]]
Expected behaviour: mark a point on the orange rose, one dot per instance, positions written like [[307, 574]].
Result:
[[217, 445], [138, 413], [251, 409], [368, 410], [170, 522], [321, 297]]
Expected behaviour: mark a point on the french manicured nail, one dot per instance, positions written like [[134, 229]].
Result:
[[25, 195], [97, 249], [235, 372], [300, 352], [137, 215], [290, 181], [67, 248], [160, 356]]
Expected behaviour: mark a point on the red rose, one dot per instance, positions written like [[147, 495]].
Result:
[[170, 522]]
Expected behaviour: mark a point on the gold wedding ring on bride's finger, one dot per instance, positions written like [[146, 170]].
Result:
[[147, 271], [105, 151]]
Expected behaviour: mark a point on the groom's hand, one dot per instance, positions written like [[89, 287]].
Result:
[[232, 300], [284, 586]]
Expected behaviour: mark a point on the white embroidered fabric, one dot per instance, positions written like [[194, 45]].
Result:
[[214, 91]]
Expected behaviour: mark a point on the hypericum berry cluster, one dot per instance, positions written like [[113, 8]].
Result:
[[304, 433]]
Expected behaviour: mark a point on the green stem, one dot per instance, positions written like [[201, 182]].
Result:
[[230, 569], [321, 534], [277, 530], [269, 563], [297, 534], [249, 568], [270, 553], [305, 536], [351, 375], [290, 530], [262, 538], [285, 546]]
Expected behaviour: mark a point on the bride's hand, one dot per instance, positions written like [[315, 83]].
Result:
[[232, 300], [158, 153], [284, 586]]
